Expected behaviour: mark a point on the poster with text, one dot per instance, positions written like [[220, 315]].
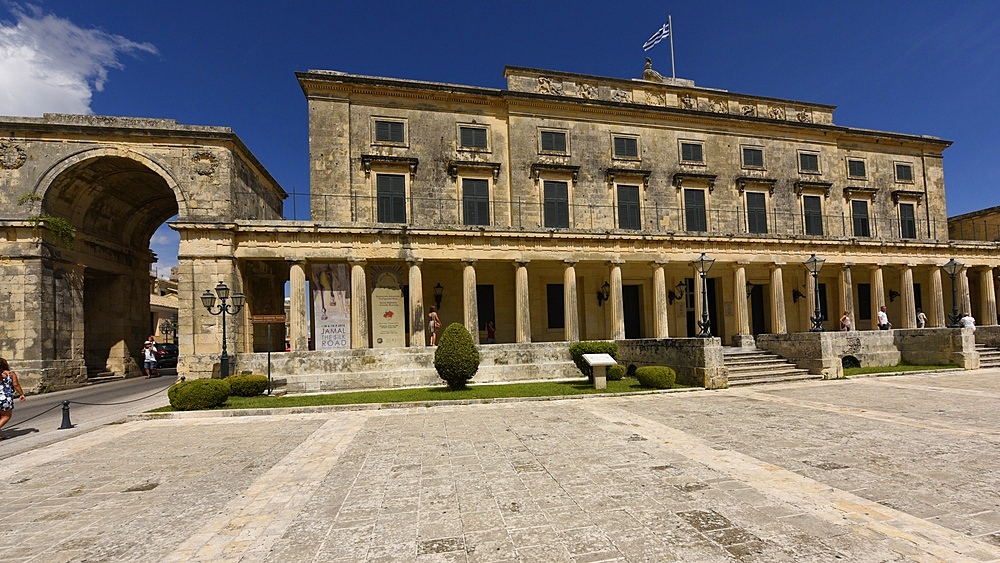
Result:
[[331, 306], [388, 328]]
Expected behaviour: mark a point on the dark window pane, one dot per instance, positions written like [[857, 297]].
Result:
[[694, 210], [691, 152], [556, 204], [626, 146], [553, 141], [809, 162], [472, 137], [756, 213], [904, 173], [813, 212], [389, 131], [486, 306], [859, 217], [753, 157], [864, 310], [628, 208], [907, 221], [856, 168], [391, 198], [476, 201], [555, 305]]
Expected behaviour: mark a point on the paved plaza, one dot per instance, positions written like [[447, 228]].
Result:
[[866, 469]]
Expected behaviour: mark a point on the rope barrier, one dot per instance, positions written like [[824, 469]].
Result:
[[67, 403]]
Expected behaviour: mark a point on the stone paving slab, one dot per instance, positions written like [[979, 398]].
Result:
[[873, 469]]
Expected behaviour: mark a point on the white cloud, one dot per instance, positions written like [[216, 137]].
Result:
[[49, 64]]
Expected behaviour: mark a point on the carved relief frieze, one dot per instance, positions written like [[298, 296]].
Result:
[[687, 102], [656, 98], [621, 96], [775, 112], [588, 91], [720, 106], [12, 156], [548, 86], [803, 116], [204, 163], [748, 110]]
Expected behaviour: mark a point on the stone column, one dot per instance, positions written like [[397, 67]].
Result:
[[298, 331], [359, 305], [909, 302], [846, 295], [779, 324], [523, 311], [811, 298], [660, 300], [571, 313], [417, 334], [936, 316], [617, 308], [988, 300], [964, 298], [740, 299], [878, 294], [471, 299], [699, 307]]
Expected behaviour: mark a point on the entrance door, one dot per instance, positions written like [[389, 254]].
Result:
[[633, 313], [757, 316]]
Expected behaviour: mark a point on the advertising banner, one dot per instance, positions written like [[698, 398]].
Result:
[[331, 306], [388, 327]]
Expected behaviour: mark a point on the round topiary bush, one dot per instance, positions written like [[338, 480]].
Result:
[[615, 372], [247, 385], [456, 358], [660, 377], [197, 394]]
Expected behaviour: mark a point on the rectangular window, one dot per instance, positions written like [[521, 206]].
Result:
[[856, 168], [553, 141], [628, 208], [626, 147], [812, 211], [864, 310], [904, 172], [907, 221], [476, 201], [486, 306], [391, 198], [556, 307], [694, 210], [757, 212], [753, 157], [691, 152], [556, 204], [472, 137], [808, 162], [859, 218], [389, 132]]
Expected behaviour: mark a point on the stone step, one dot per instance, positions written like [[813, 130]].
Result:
[[783, 370], [758, 363], [749, 366], [770, 379]]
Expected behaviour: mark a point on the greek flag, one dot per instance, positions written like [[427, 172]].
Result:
[[657, 37]]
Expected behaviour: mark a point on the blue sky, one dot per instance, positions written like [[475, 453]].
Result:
[[919, 67]]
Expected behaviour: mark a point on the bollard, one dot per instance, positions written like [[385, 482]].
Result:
[[65, 422]]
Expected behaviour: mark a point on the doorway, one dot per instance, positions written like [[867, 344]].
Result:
[[632, 311]]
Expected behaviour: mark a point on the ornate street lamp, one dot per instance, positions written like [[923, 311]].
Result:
[[438, 294], [952, 268], [703, 264], [167, 328], [224, 308], [814, 265]]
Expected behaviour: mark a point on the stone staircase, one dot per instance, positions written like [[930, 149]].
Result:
[[988, 357], [750, 366]]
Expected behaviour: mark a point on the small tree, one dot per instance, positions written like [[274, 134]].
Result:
[[456, 358]]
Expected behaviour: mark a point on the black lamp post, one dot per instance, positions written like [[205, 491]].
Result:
[[167, 328], [814, 265], [224, 308], [438, 294], [952, 268], [703, 264]]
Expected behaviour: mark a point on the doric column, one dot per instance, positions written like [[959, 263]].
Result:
[[699, 306], [988, 301], [470, 299], [617, 308], [878, 294], [298, 331], [740, 299], [936, 316], [846, 295], [779, 324], [660, 300], [811, 298], [359, 305], [964, 298], [416, 312], [909, 302], [523, 311], [571, 311]]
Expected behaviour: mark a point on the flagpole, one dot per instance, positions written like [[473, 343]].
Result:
[[670, 26]]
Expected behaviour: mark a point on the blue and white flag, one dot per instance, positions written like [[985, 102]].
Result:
[[657, 37]]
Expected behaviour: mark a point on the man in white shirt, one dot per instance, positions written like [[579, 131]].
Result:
[[967, 321], [883, 319]]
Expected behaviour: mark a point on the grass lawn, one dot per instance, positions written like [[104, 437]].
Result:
[[892, 369], [424, 394]]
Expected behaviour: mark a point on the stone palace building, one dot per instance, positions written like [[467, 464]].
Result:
[[565, 207]]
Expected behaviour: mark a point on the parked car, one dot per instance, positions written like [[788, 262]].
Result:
[[166, 355]]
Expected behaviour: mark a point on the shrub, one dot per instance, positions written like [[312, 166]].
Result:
[[247, 385], [578, 349], [660, 377], [197, 394], [616, 372], [456, 358]]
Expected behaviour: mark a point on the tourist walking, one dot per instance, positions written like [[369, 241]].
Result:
[[883, 319], [433, 324], [149, 360], [921, 318], [845, 321], [8, 385], [967, 321], [491, 333]]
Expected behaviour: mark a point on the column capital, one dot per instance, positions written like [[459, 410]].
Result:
[[570, 262], [616, 262], [414, 261], [659, 263], [357, 261], [847, 265], [469, 261], [775, 265], [522, 263]]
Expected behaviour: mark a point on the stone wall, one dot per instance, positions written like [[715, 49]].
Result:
[[697, 361]]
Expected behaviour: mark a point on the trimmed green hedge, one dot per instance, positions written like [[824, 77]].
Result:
[[198, 394], [660, 377], [616, 372], [456, 358], [247, 385], [578, 349]]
